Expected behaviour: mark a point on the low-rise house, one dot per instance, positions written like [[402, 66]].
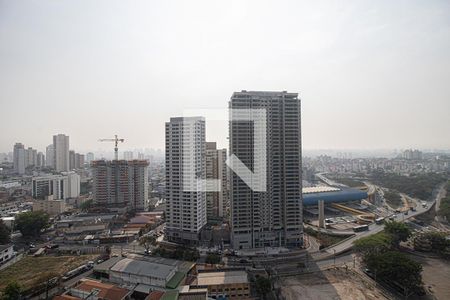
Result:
[[224, 284], [146, 274], [6, 252], [94, 290], [50, 206]]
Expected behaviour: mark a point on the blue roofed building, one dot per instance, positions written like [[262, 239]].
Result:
[[331, 194]]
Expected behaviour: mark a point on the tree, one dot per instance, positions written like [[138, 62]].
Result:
[[437, 240], [399, 232], [373, 245], [11, 291], [213, 258], [191, 255], [31, 223], [5, 233], [86, 205], [397, 269], [263, 286], [147, 241]]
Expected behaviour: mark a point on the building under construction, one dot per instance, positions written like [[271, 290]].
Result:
[[121, 184]]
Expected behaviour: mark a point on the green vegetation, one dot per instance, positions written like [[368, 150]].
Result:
[[373, 244], [263, 286], [180, 253], [380, 255], [350, 182], [397, 269], [31, 223], [213, 259], [85, 187], [433, 242], [147, 241], [33, 271], [393, 198], [416, 185], [86, 205], [345, 179], [12, 291], [324, 239], [444, 208], [5, 234], [398, 231]]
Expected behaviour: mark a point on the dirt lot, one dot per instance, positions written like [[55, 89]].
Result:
[[330, 284], [436, 274], [33, 270]]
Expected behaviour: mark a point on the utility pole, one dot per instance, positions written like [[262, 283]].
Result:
[[334, 257]]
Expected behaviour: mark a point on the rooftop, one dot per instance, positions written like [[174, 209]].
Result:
[[218, 278], [106, 290], [319, 189], [143, 268]]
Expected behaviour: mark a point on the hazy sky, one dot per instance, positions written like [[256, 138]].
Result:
[[371, 74]]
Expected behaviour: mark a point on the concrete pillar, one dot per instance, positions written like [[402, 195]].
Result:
[[321, 214]]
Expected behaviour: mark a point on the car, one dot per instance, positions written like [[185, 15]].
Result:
[[406, 212], [369, 273]]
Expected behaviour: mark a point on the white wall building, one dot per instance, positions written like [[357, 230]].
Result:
[[19, 158], [128, 155], [50, 156], [61, 152], [64, 186], [6, 252], [40, 160], [185, 175], [270, 217]]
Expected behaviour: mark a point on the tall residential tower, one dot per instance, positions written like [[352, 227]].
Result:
[[19, 158], [61, 153], [185, 176], [121, 184], [272, 217], [217, 202]]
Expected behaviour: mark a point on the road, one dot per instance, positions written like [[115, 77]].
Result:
[[375, 228]]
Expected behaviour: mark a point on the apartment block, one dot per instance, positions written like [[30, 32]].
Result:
[[272, 217], [61, 161], [64, 186], [185, 179], [121, 184], [217, 202]]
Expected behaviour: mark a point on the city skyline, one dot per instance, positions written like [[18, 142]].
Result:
[[370, 75]]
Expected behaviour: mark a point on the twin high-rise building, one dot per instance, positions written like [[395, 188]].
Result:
[[57, 156], [185, 179], [271, 216], [121, 184], [24, 158]]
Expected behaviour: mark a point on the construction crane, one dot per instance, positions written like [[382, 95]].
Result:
[[116, 141]]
